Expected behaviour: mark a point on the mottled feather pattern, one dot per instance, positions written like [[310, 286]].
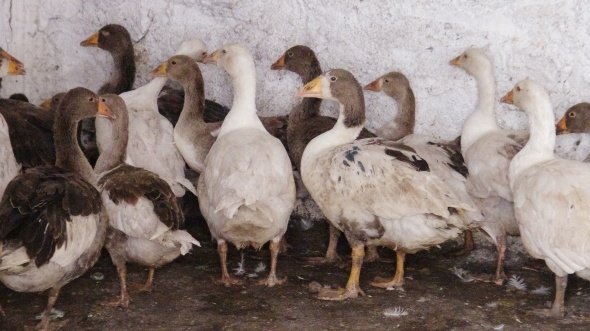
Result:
[[128, 184], [47, 197]]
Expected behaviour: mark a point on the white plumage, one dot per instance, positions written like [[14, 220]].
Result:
[[551, 196], [246, 191]]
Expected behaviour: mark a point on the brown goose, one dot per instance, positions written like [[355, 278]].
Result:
[[51, 225], [306, 123], [144, 215], [193, 135], [575, 120], [376, 191], [444, 158]]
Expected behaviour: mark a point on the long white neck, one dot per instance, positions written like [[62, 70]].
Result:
[[146, 96], [338, 135], [482, 120], [541, 143], [243, 109]]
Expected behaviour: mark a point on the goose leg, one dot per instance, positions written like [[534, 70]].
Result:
[[53, 294], [331, 255], [398, 278], [148, 286], [352, 289], [226, 280], [500, 275], [124, 299], [272, 279], [468, 244], [557, 309]]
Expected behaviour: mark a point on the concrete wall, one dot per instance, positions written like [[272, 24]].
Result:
[[545, 40]]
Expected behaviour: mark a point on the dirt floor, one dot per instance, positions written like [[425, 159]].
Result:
[[185, 298]]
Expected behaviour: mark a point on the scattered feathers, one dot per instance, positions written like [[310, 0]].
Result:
[[462, 274], [55, 314], [541, 290], [395, 312], [517, 283], [261, 267]]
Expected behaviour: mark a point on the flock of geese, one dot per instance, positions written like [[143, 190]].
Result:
[[115, 179]]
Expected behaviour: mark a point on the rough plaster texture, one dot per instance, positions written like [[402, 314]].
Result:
[[546, 40]]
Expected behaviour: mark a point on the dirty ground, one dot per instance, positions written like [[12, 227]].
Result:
[[433, 298]]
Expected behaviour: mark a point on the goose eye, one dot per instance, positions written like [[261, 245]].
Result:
[[105, 33], [223, 51], [55, 99], [333, 79], [290, 54], [571, 114], [464, 56], [91, 99], [387, 80], [174, 62], [204, 53], [518, 89], [103, 100]]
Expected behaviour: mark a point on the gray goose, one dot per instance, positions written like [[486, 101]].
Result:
[[376, 191], [52, 227], [444, 157], [306, 123], [144, 215]]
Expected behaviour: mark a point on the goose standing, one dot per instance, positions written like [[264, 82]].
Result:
[[246, 192], [144, 215], [444, 159], [551, 195], [51, 223], [306, 123], [488, 150], [375, 191]]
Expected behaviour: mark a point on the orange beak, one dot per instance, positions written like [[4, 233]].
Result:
[[456, 61], [212, 58], [160, 71], [279, 64], [46, 104], [15, 67], [312, 89], [374, 86], [90, 41], [508, 98], [561, 126], [105, 111]]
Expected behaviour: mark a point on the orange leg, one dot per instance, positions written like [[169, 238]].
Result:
[[53, 294], [398, 279], [149, 284], [352, 289], [500, 275], [331, 255], [272, 279], [124, 299], [226, 280]]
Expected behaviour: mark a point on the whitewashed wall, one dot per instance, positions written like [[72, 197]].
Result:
[[547, 40]]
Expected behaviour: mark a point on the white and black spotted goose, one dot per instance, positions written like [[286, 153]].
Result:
[[144, 215], [375, 191], [51, 226], [444, 157]]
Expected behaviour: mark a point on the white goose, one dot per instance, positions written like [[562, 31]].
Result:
[[551, 196], [375, 191], [151, 136], [487, 150], [246, 192]]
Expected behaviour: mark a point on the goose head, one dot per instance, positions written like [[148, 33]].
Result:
[[53, 102], [298, 59], [193, 48], [575, 120], [179, 68], [10, 66], [395, 84], [113, 38], [114, 107], [234, 58], [526, 95], [80, 103], [473, 60], [341, 86]]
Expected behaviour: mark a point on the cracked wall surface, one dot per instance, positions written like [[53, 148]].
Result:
[[544, 40]]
